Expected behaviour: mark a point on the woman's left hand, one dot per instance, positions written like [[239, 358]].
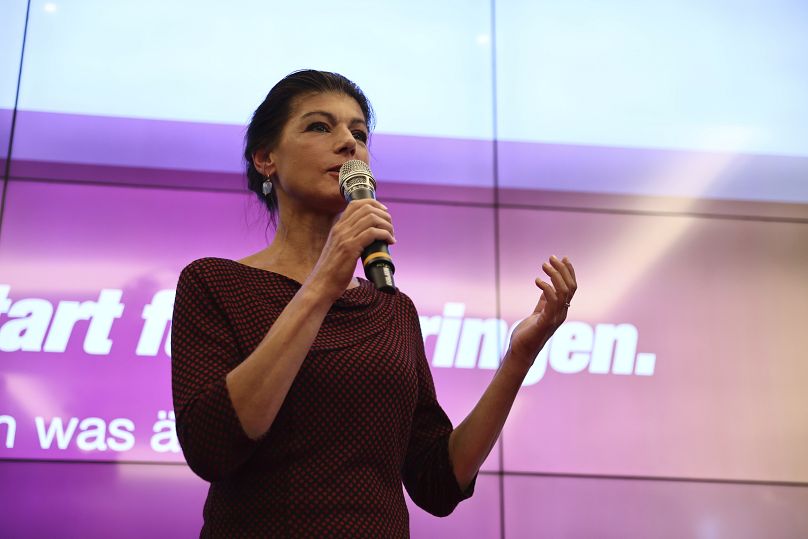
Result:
[[471, 441], [533, 332]]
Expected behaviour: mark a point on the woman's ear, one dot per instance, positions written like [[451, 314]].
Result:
[[263, 162]]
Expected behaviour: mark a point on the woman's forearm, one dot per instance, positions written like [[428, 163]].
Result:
[[259, 385], [472, 440]]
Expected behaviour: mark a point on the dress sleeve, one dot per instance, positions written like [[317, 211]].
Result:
[[203, 351], [428, 474]]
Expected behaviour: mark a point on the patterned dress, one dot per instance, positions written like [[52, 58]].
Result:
[[360, 418]]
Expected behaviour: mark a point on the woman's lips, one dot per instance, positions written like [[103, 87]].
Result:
[[334, 171]]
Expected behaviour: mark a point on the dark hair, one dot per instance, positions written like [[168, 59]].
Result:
[[271, 116]]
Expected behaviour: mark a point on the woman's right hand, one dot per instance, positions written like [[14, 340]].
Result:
[[362, 223]]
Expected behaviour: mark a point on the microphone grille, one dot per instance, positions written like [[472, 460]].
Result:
[[355, 174]]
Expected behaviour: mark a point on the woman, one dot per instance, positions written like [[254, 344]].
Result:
[[302, 394]]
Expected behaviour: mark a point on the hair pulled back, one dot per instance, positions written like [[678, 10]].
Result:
[[269, 119]]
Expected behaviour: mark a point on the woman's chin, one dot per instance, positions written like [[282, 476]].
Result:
[[332, 204]]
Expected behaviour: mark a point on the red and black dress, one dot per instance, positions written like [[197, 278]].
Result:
[[360, 418]]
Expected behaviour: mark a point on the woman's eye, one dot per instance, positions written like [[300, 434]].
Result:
[[319, 127], [361, 136]]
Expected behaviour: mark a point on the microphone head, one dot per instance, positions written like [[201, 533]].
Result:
[[355, 175]]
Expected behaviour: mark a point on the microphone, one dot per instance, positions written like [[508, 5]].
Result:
[[356, 182]]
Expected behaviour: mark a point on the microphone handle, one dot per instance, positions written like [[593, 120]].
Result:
[[376, 258]]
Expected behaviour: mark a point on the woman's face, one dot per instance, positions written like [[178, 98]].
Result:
[[323, 131]]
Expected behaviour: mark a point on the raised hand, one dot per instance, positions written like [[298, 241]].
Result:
[[362, 222], [534, 331]]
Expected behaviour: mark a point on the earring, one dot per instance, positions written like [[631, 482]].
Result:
[[267, 188]]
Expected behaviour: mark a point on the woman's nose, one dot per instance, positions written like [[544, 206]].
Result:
[[347, 142]]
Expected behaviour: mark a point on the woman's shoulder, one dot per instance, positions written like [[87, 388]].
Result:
[[211, 262], [208, 267], [223, 277], [214, 272]]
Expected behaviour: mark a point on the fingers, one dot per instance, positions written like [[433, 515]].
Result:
[[569, 267], [549, 292], [564, 284], [567, 272], [359, 207], [561, 288], [362, 223], [371, 216], [372, 220], [370, 235], [563, 270]]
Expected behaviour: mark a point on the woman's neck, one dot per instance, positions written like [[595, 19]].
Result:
[[297, 245]]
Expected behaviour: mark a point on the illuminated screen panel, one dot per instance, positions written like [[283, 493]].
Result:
[[643, 180], [621, 75], [620, 103], [671, 363], [216, 71], [79, 500], [12, 23], [179, 101], [585, 507], [121, 249]]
